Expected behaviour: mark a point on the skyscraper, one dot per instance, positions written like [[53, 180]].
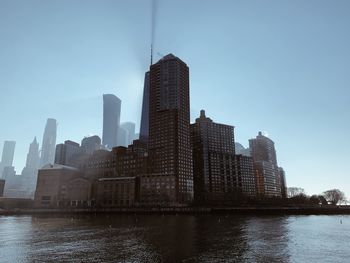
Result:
[[8, 153], [111, 120], [265, 166], [130, 127], [215, 177], [33, 157], [49, 143], [144, 128], [171, 171], [30, 171]]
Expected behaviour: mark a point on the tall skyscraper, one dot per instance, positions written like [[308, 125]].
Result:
[[123, 136], [111, 120], [215, 177], [265, 166], [33, 157], [130, 127], [49, 143], [144, 128], [30, 171], [171, 171], [8, 153]]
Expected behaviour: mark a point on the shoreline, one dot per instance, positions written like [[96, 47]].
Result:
[[187, 211]]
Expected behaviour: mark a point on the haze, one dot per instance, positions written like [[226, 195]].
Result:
[[276, 66]]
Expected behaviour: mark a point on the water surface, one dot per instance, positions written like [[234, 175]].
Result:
[[171, 238]]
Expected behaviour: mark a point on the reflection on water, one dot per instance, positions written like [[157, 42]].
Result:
[[171, 238]]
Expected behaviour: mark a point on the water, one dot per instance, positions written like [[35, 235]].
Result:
[[171, 238]]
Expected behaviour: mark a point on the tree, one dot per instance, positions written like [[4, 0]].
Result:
[[295, 191], [334, 196]]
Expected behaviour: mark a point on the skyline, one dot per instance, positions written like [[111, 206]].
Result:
[[238, 81]]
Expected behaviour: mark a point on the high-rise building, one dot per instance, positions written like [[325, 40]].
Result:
[[66, 151], [123, 136], [265, 166], [171, 172], [245, 170], [282, 175], [8, 152], [91, 144], [33, 157], [49, 143], [215, 177], [111, 120], [144, 127], [30, 171], [130, 127]]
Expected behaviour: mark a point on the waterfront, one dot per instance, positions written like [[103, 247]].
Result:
[[172, 238]]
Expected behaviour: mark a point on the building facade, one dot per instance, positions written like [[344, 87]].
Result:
[[169, 128], [91, 144], [49, 143], [111, 120], [62, 186], [2, 187], [8, 152], [215, 177], [66, 152], [265, 166], [245, 170], [144, 127]]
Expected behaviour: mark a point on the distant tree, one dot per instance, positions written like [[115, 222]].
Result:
[[334, 196], [295, 191]]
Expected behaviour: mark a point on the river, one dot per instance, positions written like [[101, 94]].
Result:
[[174, 238]]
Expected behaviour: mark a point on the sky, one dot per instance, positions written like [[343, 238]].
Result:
[[281, 67]]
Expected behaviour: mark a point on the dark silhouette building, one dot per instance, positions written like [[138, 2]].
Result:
[[49, 143], [66, 152], [170, 156], [245, 170], [144, 127], [265, 166], [282, 175], [215, 177], [2, 186], [111, 120]]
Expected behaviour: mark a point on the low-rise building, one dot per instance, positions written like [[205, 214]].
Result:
[[62, 186], [115, 192]]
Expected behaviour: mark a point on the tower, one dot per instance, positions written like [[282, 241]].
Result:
[[214, 169], [111, 120], [8, 153], [171, 171], [265, 166], [49, 143], [144, 127]]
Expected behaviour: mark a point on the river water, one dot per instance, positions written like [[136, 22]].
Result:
[[171, 238]]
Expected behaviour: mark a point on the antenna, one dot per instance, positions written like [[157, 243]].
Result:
[[151, 54]]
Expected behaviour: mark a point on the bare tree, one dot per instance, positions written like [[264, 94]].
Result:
[[334, 196], [295, 191]]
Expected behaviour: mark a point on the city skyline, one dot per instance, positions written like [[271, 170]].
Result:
[[301, 159]]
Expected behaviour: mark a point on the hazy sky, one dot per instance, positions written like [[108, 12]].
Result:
[[277, 66]]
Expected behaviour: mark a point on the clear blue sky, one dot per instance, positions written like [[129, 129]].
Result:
[[277, 66]]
